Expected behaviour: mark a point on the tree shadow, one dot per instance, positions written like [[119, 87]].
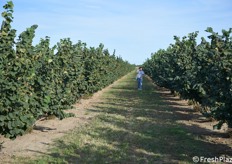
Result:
[[140, 127], [43, 128]]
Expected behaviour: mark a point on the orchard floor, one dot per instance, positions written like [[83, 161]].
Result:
[[121, 124]]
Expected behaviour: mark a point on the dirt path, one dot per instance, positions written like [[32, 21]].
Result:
[[146, 126], [45, 131]]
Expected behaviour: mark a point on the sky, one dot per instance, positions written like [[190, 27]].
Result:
[[134, 28]]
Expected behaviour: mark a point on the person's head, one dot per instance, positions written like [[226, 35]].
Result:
[[140, 68]]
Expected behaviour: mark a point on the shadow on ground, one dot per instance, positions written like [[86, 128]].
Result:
[[139, 127]]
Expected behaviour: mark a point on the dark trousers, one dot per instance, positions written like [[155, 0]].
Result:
[[139, 80]]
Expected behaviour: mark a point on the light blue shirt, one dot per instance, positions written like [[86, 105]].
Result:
[[140, 74]]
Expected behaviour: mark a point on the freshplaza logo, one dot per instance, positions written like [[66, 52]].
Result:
[[199, 159]]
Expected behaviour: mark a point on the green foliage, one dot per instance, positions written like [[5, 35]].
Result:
[[198, 72], [36, 82]]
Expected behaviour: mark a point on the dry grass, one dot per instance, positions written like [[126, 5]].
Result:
[[134, 126]]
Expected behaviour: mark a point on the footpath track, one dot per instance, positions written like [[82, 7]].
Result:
[[125, 125]]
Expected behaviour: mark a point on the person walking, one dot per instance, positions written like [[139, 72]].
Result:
[[139, 77]]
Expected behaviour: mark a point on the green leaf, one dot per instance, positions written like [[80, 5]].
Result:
[[209, 29]]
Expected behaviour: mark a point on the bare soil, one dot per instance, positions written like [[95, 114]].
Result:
[[191, 119], [46, 131]]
